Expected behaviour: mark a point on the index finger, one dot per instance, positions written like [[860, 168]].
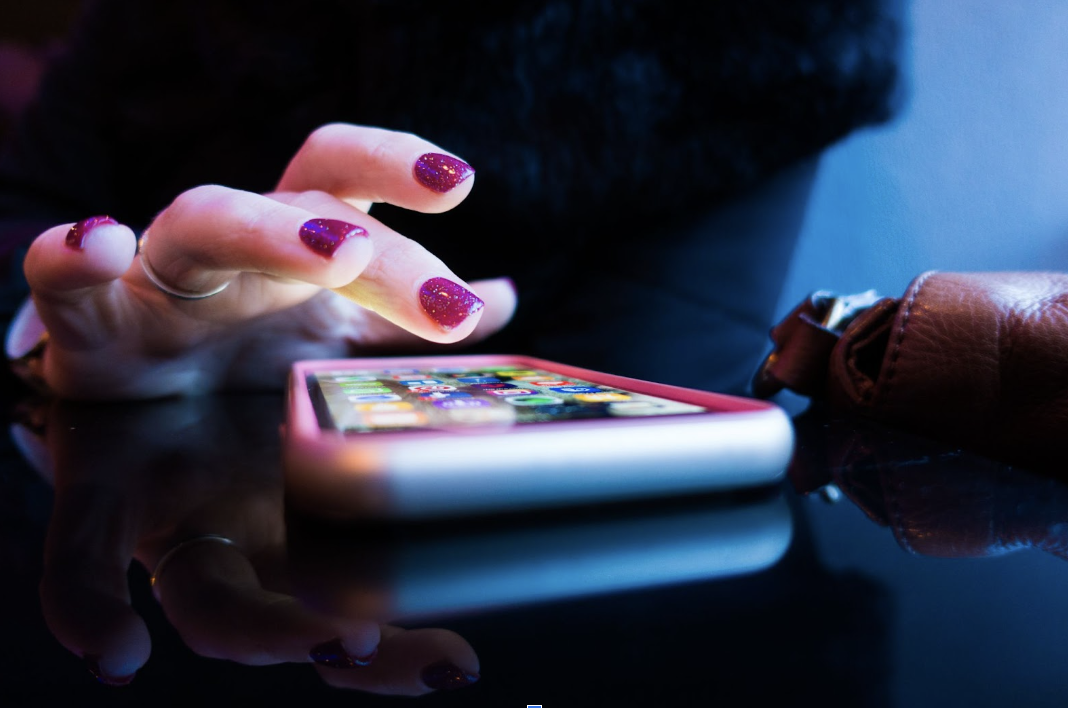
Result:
[[361, 164]]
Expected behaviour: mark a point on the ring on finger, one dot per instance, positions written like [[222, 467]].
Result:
[[167, 557], [142, 245]]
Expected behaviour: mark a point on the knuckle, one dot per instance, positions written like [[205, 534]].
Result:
[[401, 256], [324, 136], [312, 200], [190, 202]]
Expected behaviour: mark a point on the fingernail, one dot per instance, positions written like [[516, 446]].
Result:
[[324, 236], [93, 663], [78, 233], [441, 172], [333, 655], [446, 676], [447, 303]]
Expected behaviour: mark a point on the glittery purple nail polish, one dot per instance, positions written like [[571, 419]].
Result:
[[78, 233], [93, 663], [324, 236], [441, 172], [333, 655], [446, 676], [447, 303]]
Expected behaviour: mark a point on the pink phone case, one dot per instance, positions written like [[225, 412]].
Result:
[[473, 469]]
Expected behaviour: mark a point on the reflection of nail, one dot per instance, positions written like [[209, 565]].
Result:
[[441, 172], [325, 235], [78, 233], [93, 662], [333, 655], [447, 303], [33, 448], [446, 676]]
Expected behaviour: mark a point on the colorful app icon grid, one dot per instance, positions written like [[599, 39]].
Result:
[[442, 397]]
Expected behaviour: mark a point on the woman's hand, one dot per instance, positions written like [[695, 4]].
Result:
[[114, 333], [192, 489]]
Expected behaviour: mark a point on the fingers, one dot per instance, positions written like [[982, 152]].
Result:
[[499, 295], [210, 234], [69, 276], [84, 595], [404, 283], [411, 663], [358, 164], [67, 259], [213, 597]]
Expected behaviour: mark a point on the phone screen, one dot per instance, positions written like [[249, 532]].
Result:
[[397, 400]]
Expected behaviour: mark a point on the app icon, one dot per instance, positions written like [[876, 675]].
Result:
[[431, 388], [488, 386], [509, 391], [650, 408], [501, 415], [400, 373], [365, 390], [419, 382], [399, 419], [477, 379], [602, 397], [375, 398], [527, 376], [534, 400], [384, 407], [551, 382], [577, 389], [442, 395], [373, 383], [452, 404]]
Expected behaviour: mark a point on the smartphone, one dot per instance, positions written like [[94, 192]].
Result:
[[425, 437]]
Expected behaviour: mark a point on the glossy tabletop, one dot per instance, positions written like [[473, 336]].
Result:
[[888, 570]]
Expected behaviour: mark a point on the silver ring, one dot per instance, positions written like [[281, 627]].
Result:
[[161, 564], [142, 243]]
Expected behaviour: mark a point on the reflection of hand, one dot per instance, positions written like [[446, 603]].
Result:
[[135, 481], [114, 334]]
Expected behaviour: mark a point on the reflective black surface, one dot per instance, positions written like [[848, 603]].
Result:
[[889, 571]]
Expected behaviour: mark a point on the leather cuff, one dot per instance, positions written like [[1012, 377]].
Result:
[[979, 359]]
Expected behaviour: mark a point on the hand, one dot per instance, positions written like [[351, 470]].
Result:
[[115, 334], [136, 481]]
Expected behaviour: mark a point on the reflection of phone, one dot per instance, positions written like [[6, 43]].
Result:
[[413, 573], [436, 436]]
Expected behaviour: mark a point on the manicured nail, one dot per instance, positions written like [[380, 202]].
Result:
[[324, 236], [333, 655], [447, 303], [446, 676], [441, 172], [93, 663], [78, 233]]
